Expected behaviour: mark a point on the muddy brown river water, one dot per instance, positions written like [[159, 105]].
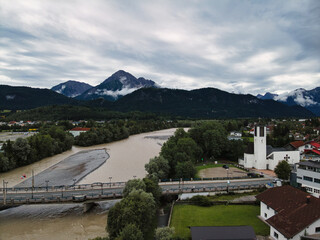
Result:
[[67, 222]]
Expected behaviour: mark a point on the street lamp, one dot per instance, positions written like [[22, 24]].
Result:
[[47, 181], [110, 181]]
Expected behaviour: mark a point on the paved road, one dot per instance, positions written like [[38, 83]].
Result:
[[95, 191]]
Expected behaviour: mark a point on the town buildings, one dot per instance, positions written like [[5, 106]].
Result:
[[261, 156], [308, 176]]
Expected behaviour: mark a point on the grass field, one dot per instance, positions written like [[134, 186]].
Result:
[[221, 215]]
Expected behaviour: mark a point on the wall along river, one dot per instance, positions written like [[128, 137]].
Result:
[[66, 222]]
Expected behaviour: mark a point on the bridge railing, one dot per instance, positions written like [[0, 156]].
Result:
[[96, 185], [59, 197]]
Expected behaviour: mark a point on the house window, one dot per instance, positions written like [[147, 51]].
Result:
[[317, 180], [309, 189], [265, 215], [268, 207], [261, 131], [310, 179], [255, 131], [317, 229], [276, 235], [316, 190]]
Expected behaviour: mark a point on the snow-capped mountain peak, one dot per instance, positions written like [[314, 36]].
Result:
[[309, 99], [71, 88], [117, 85]]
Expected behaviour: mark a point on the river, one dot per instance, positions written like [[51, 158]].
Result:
[[67, 222]]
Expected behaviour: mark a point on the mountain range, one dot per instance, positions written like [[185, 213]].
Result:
[[310, 99], [116, 86], [123, 92]]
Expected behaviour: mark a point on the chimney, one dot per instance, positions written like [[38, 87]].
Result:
[[308, 199]]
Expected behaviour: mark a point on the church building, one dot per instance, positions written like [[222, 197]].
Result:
[[263, 156]]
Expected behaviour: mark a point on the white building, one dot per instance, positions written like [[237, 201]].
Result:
[[290, 213], [261, 156], [76, 131], [308, 176]]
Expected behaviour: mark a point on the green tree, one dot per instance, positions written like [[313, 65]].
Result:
[[21, 150], [283, 170], [134, 184], [211, 137], [165, 233], [153, 187], [130, 232], [189, 148], [137, 208], [158, 168], [5, 164], [185, 170]]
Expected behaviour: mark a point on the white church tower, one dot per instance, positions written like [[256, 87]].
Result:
[[260, 147]]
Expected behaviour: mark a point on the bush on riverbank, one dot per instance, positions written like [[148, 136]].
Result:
[[48, 142]]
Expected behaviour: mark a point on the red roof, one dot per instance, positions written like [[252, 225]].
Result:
[[297, 144], [80, 129], [294, 212], [317, 145], [316, 151]]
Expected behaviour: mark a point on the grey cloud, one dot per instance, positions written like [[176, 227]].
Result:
[[240, 46]]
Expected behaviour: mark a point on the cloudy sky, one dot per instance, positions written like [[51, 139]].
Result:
[[237, 46]]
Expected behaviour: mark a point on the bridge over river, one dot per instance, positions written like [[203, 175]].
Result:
[[89, 193]]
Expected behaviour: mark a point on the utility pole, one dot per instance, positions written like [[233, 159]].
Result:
[[4, 192], [47, 181], [32, 184]]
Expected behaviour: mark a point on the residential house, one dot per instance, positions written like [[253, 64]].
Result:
[[290, 213]]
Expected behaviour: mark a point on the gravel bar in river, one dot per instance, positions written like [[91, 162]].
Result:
[[76, 167]]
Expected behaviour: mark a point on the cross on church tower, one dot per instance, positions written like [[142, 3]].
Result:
[[287, 157]]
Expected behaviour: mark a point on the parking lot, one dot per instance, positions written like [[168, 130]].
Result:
[[222, 172]]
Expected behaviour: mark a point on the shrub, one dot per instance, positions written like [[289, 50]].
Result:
[[201, 200]]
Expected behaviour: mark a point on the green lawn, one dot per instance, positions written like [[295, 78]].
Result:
[[250, 139], [222, 215]]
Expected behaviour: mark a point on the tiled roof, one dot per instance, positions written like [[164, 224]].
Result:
[[80, 129], [297, 144], [316, 151], [317, 145], [294, 213]]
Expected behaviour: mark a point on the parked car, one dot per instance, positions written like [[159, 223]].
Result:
[[252, 175], [225, 166], [275, 180]]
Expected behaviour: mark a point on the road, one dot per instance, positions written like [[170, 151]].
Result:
[[108, 190]]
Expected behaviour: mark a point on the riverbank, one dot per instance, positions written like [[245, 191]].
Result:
[[70, 170]]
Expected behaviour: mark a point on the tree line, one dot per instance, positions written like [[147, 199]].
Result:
[[48, 142], [206, 141], [120, 129]]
